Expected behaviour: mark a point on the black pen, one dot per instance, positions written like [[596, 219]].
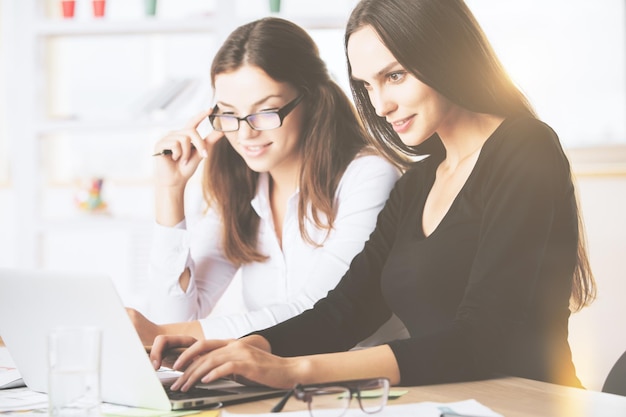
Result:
[[163, 152], [168, 151]]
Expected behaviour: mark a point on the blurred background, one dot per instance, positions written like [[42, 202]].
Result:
[[83, 98]]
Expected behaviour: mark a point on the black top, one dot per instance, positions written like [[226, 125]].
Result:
[[487, 293]]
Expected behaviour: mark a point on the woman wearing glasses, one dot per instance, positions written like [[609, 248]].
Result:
[[292, 189], [478, 249]]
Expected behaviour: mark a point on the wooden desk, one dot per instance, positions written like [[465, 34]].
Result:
[[511, 397]]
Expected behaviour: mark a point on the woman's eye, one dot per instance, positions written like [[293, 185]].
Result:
[[397, 76]]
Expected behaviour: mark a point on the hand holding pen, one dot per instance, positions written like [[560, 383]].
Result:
[[190, 132], [177, 157], [182, 150]]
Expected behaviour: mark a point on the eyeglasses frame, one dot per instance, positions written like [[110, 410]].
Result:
[[354, 386], [281, 112]]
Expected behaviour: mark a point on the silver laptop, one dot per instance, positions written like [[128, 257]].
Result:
[[32, 302]]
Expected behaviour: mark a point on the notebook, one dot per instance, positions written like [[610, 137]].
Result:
[[32, 302]]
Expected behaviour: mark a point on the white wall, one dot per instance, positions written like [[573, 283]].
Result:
[[598, 333]]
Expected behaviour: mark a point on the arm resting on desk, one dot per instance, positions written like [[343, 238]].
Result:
[[250, 358]]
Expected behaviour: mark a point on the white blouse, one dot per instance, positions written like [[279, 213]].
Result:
[[290, 281]]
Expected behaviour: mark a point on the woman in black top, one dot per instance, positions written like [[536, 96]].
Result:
[[478, 249]]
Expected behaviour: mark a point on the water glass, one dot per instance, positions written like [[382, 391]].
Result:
[[74, 371]]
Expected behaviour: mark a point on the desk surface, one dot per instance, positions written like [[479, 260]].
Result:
[[511, 397]]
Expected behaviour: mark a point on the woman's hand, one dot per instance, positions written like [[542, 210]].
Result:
[[187, 150], [174, 170], [247, 359], [146, 329]]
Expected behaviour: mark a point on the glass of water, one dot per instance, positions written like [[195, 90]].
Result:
[[74, 371]]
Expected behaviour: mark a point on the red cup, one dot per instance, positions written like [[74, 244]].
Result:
[[98, 8], [68, 7]]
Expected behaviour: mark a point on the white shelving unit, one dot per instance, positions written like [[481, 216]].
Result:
[[46, 28], [31, 129]]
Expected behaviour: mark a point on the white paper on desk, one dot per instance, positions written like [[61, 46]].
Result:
[[422, 409], [18, 399], [115, 410], [9, 376]]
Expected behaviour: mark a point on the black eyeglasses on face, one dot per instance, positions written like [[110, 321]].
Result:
[[372, 395], [258, 121]]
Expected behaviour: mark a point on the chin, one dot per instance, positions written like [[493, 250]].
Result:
[[411, 140], [258, 168], [415, 139]]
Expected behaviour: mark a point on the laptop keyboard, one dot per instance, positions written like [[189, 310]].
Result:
[[195, 393]]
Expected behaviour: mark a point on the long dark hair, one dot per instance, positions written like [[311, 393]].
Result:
[[441, 43], [330, 137]]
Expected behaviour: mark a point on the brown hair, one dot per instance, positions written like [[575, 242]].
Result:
[[441, 43], [331, 135]]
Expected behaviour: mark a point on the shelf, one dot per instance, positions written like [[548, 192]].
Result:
[[147, 26], [86, 222], [317, 22], [602, 160], [80, 126]]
